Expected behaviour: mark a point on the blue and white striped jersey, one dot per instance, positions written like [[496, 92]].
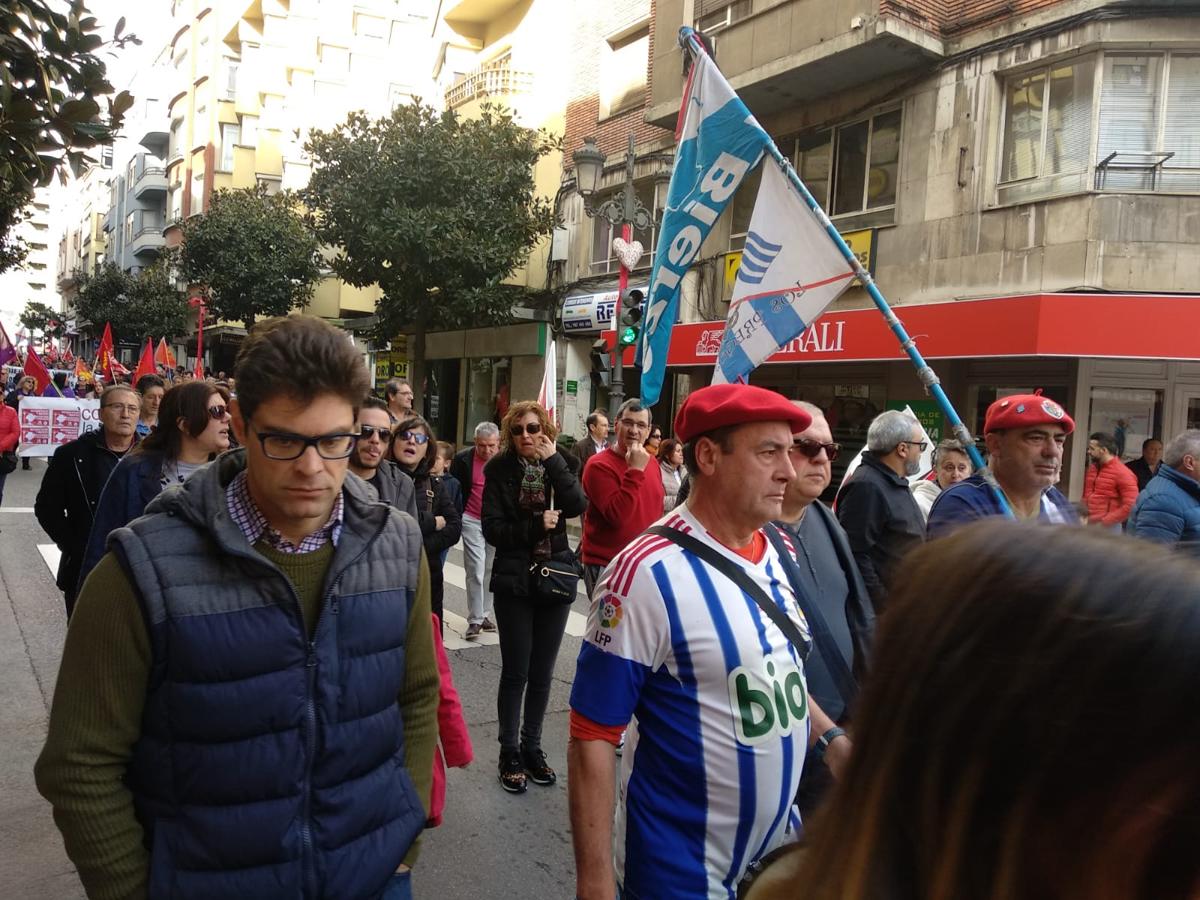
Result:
[[719, 711]]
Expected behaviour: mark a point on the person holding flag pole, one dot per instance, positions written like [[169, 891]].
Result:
[[719, 143]]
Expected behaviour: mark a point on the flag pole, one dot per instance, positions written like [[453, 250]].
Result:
[[929, 378]]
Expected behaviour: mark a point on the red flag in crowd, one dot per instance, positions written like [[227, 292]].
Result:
[[115, 368], [82, 372], [164, 356], [7, 350], [198, 374], [35, 367], [52, 354], [145, 365], [104, 353], [68, 358]]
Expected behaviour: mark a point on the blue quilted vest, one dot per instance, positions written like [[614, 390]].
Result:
[[270, 766]]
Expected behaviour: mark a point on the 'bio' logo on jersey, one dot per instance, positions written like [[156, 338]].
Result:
[[775, 708]]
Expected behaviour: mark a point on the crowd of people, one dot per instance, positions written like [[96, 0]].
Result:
[[941, 688]]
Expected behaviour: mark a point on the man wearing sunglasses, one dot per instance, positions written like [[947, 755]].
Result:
[[875, 505], [247, 704], [66, 501], [369, 460], [830, 588]]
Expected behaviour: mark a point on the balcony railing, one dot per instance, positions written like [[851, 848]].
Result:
[[150, 179], [488, 81]]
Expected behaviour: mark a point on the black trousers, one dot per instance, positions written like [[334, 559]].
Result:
[[530, 635]]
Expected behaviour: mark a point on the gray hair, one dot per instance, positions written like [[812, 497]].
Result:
[[486, 430], [811, 408], [635, 405], [1186, 444], [888, 430]]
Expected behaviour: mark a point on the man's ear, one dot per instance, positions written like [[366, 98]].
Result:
[[236, 420], [707, 451]]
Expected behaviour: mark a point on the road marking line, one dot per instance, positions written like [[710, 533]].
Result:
[[52, 555], [16, 509]]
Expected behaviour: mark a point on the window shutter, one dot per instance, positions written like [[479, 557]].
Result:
[[1069, 130], [1129, 102], [1181, 129]]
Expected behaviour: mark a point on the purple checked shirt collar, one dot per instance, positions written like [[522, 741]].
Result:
[[254, 525]]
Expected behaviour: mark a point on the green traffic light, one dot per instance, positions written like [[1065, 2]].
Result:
[[629, 336]]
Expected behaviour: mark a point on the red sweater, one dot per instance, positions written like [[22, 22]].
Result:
[[622, 503], [1109, 492]]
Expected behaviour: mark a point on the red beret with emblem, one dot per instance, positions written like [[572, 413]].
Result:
[[1026, 411], [720, 405]]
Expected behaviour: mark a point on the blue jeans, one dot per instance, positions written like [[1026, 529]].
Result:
[[399, 887]]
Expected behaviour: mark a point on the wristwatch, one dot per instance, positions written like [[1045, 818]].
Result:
[[823, 742]]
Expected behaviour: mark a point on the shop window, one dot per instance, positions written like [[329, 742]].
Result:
[[488, 395], [1130, 415]]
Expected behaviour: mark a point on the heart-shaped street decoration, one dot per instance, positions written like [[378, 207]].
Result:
[[629, 253]]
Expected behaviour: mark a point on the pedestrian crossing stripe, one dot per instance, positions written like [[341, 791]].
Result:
[[455, 631]]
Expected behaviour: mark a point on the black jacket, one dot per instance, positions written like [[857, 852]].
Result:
[[513, 531], [462, 467], [433, 500], [394, 486], [882, 522], [66, 502]]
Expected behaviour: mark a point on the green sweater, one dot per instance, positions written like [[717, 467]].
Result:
[[96, 716]]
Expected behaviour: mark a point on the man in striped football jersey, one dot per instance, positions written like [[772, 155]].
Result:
[[721, 716]]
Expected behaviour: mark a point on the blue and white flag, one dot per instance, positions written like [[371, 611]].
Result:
[[791, 270], [719, 143]]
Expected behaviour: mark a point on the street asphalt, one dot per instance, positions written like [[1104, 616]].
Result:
[[491, 845]]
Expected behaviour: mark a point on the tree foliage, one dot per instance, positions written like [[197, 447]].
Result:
[[51, 82], [137, 306], [41, 319], [435, 209], [253, 253]]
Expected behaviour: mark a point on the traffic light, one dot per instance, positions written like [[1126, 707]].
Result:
[[631, 317], [600, 370]]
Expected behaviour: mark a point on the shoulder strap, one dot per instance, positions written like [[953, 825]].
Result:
[[739, 577], [826, 643]]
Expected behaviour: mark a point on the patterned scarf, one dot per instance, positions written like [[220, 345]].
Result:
[[532, 499]]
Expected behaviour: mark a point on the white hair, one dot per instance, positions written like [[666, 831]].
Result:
[[1185, 444], [486, 430], [888, 430]]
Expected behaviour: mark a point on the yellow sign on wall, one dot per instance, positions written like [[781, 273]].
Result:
[[861, 243]]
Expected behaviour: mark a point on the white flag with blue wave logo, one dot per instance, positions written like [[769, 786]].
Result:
[[791, 270], [719, 142]]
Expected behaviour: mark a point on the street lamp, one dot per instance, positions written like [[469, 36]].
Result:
[[625, 210]]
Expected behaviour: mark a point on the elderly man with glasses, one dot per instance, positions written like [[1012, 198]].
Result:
[[66, 501], [623, 498], [875, 505]]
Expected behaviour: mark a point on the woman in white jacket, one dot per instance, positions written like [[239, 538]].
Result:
[[950, 466], [670, 463]]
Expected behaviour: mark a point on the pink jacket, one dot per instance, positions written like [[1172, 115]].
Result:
[[454, 741], [9, 429]]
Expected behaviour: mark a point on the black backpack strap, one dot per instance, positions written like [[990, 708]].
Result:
[[826, 643], [739, 577]]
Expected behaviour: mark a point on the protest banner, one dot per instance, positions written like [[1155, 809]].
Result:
[[47, 423]]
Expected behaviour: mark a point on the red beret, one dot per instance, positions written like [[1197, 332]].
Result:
[[719, 405], [1025, 411]]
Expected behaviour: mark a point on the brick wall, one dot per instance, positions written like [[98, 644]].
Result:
[[592, 23], [953, 17]]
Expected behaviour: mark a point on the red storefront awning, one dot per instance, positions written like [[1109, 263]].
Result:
[[1150, 326]]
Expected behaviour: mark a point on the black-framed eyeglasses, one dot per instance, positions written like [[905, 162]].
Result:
[[283, 445], [366, 432], [528, 428], [218, 412], [812, 449], [921, 445], [419, 438]]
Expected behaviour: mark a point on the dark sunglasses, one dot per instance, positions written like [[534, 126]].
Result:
[[812, 449], [528, 428], [218, 412], [384, 434], [417, 437]]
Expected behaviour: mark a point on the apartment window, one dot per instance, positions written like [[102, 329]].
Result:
[[742, 208], [249, 129], [271, 183], [229, 78], [129, 228], [651, 194], [175, 204], [229, 137], [713, 15], [623, 65], [131, 172], [335, 61], [175, 147], [197, 193], [371, 27]]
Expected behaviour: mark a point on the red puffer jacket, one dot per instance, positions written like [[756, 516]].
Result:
[[9, 429], [1109, 492]]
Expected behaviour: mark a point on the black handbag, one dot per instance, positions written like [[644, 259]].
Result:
[[555, 580], [8, 462]]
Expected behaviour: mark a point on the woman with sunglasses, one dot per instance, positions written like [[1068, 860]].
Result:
[[193, 427], [670, 464], [26, 387], [414, 448], [653, 441], [531, 489]]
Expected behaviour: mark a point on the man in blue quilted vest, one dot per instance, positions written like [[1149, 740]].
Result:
[[247, 704]]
